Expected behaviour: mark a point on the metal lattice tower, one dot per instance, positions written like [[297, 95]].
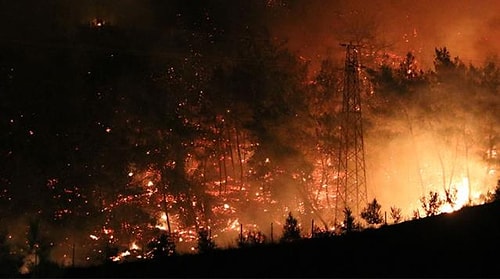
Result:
[[351, 176]]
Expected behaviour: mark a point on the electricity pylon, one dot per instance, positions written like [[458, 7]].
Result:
[[351, 176]]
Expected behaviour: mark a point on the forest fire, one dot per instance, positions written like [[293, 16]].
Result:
[[236, 209], [150, 145], [227, 214]]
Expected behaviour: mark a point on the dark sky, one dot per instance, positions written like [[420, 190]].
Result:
[[469, 29], [20, 18]]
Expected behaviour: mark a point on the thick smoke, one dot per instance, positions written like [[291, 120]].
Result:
[[315, 28], [425, 152], [435, 138]]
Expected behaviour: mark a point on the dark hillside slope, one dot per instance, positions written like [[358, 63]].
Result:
[[459, 244]]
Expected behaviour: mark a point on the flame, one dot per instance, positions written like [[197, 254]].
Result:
[[134, 246], [233, 225], [161, 223], [462, 197], [29, 262], [121, 256]]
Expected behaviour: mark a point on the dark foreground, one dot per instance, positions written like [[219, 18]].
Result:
[[460, 244]]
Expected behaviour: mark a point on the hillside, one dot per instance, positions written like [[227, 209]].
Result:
[[459, 244]]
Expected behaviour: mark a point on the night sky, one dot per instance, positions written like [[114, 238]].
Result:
[[311, 28]]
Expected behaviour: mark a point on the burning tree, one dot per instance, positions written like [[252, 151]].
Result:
[[324, 103]]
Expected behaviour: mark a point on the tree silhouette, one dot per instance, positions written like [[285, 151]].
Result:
[[431, 204], [396, 214], [291, 229], [442, 59], [205, 241], [371, 214], [496, 193], [322, 232], [350, 224], [38, 245], [162, 246], [416, 214], [252, 238], [451, 196]]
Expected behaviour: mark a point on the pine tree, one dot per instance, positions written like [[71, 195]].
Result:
[[371, 214], [350, 224], [291, 229]]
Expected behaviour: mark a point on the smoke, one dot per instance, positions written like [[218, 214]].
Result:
[[314, 28], [407, 167], [414, 150], [433, 139]]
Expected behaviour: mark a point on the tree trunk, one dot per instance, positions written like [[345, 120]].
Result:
[[238, 148], [410, 127], [230, 150], [165, 208], [469, 199]]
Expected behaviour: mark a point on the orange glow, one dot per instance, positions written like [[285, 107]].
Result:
[[134, 246]]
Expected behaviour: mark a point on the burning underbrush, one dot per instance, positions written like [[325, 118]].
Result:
[[401, 174]]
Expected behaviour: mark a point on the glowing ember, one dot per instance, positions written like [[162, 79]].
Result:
[[233, 225]]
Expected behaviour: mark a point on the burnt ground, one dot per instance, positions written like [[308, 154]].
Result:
[[465, 243]]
